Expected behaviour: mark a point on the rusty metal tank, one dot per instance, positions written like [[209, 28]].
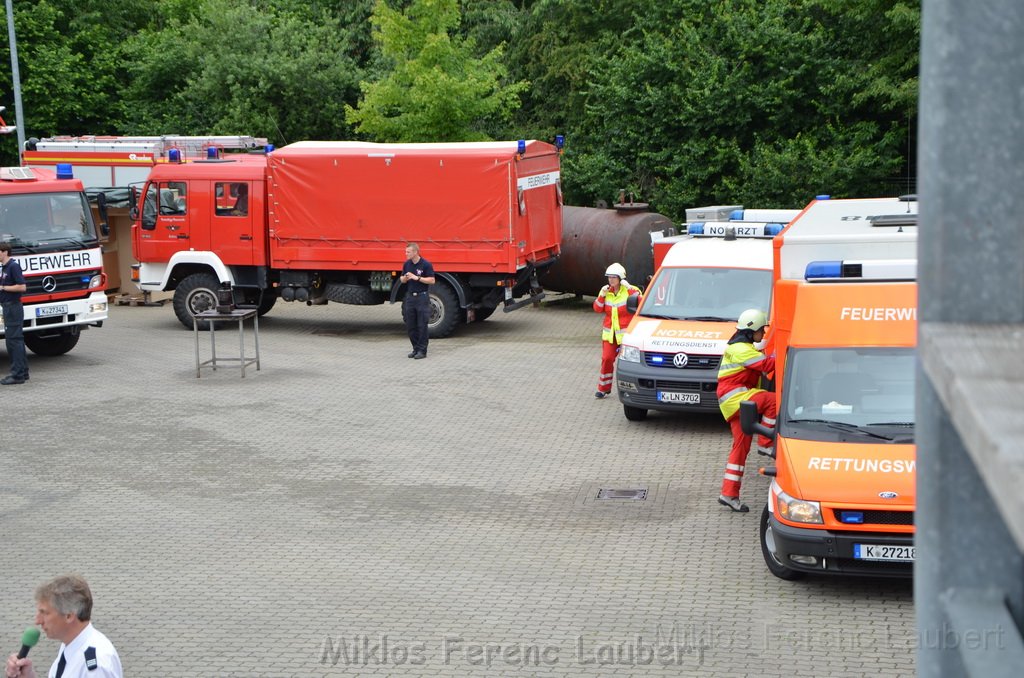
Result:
[[593, 238]]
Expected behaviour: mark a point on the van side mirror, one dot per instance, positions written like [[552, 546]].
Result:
[[749, 420], [101, 207], [632, 303]]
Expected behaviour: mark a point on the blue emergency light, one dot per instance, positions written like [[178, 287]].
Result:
[[174, 155], [268, 149], [851, 517], [559, 141], [736, 215], [824, 269], [657, 359], [64, 171], [772, 229], [212, 153], [696, 229], [825, 196], [521, 146]]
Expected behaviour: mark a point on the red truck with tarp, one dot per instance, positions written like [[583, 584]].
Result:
[[320, 221]]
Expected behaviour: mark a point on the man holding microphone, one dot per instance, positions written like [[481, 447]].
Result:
[[64, 609]]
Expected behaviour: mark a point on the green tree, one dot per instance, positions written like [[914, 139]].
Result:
[[434, 88], [236, 67]]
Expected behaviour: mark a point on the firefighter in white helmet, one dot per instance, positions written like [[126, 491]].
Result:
[[611, 301], [742, 365]]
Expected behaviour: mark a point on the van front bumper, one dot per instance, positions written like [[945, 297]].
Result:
[[834, 551], [639, 386]]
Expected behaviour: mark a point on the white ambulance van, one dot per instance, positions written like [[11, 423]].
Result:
[[674, 344]]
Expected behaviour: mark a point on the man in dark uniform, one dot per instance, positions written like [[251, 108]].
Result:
[[418, 275], [64, 611], [12, 286]]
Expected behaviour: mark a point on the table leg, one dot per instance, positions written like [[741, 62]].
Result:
[[241, 344], [256, 333], [195, 331], [213, 346]]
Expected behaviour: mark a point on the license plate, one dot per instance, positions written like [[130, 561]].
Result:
[[675, 397], [47, 311], [901, 554]]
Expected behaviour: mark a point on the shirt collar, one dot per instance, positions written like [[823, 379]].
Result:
[[77, 646]]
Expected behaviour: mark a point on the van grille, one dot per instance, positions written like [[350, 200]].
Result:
[[881, 517], [694, 362]]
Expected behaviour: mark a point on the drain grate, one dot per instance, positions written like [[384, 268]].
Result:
[[629, 495]]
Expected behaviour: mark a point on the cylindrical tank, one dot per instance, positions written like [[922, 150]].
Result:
[[593, 238]]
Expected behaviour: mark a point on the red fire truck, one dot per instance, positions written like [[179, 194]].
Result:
[[45, 216], [323, 221]]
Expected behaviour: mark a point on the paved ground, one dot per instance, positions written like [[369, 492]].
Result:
[[349, 511]]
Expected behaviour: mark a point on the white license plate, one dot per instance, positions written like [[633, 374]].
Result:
[[900, 554], [47, 311], [675, 397]]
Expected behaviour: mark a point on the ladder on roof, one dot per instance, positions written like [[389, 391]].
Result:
[[190, 146]]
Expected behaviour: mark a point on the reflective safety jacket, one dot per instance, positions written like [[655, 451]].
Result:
[[616, 316], [738, 375]]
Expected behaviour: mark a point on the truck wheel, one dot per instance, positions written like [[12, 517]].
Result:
[[444, 311], [51, 345], [634, 413], [195, 294], [267, 303], [482, 314], [768, 551]]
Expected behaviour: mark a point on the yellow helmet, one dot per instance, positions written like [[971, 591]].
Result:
[[752, 319], [617, 270]]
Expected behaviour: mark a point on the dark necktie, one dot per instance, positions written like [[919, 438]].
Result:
[[60, 665]]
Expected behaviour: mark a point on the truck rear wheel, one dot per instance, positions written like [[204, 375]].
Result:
[[58, 344], [195, 294], [634, 413], [775, 565], [444, 311], [267, 303]]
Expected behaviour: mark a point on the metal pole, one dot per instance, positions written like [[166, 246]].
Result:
[[17, 79]]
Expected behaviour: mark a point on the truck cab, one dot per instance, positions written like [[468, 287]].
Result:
[[842, 495]]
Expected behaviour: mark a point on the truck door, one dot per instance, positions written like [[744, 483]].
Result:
[[231, 222], [164, 225]]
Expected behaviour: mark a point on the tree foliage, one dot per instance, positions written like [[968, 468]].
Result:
[[682, 102], [435, 89]]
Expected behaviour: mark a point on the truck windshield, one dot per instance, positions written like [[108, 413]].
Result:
[[850, 394], [706, 293], [39, 222]]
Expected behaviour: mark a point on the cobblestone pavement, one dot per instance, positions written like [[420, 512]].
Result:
[[346, 510]]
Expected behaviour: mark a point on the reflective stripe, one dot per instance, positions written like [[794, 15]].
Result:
[[735, 467], [755, 359], [729, 366], [768, 421], [735, 391], [730, 476]]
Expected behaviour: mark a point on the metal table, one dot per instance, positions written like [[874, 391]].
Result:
[[212, 317]]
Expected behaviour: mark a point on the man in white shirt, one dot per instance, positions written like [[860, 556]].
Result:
[[64, 608]]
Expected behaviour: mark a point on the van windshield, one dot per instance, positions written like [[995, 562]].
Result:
[[849, 394], [706, 293], [40, 222]]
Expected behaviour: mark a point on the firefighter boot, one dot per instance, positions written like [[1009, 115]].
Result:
[[734, 503]]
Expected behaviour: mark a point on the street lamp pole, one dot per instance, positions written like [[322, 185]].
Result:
[[17, 78]]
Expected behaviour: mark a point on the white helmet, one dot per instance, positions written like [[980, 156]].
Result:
[[617, 270], [752, 319]]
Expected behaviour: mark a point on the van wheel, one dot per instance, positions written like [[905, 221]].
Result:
[[193, 295], [52, 345], [634, 413], [444, 311], [775, 565]]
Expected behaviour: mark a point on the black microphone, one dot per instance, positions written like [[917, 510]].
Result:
[[28, 641]]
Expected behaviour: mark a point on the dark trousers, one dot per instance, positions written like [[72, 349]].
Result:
[[14, 336], [417, 312]]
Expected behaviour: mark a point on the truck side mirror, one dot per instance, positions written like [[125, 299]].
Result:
[[749, 420], [632, 303], [101, 207], [133, 202]]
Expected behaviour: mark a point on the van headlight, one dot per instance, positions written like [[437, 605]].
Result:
[[629, 354], [797, 510]]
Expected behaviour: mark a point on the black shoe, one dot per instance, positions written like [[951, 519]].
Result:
[[734, 503], [419, 355], [8, 380], [600, 394], [412, 354]]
